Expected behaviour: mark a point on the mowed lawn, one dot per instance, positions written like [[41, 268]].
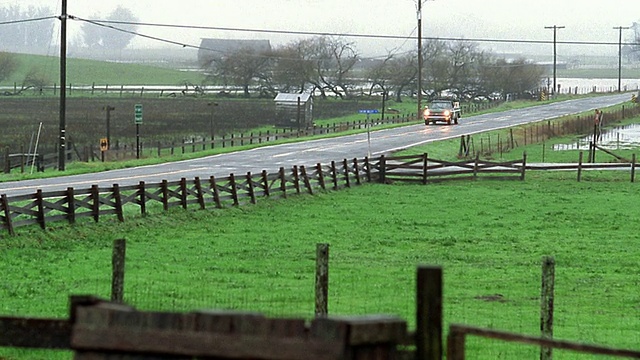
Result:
[[489, 236]]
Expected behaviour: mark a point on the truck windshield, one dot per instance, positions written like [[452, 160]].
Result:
[[439, 105]]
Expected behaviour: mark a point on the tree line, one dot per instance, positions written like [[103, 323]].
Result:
[[332, 66]]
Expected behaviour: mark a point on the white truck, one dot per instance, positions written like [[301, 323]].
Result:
[[443, 110]]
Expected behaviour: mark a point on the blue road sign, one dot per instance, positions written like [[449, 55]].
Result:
[[368, 111]]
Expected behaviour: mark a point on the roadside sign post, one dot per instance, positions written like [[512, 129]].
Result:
[[138, 122], [104, 146], [368, 125]]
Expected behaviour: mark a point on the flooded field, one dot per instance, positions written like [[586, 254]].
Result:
[[624, 137]]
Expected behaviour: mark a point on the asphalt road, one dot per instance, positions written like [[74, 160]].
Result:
[[308, 153]]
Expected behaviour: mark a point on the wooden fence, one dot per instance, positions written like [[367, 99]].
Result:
[[421, 168], [94, 202]]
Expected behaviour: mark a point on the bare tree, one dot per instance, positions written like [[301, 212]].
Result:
[[8, 65], [395, 74], [292, 67], [242, 67]]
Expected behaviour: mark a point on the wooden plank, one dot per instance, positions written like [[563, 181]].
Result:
[[334, 175], [35, 333], [192, 343], [320, 176]]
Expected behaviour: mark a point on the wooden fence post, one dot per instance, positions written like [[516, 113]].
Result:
[[367, 168], [265, 183], [117, 266], [580, 165], [252, 193], [322, 280], [117, 198], [356, 170], [455, 344], [7, 214], [334, 175], [199, 192], [429, 313], [546, 304], [305, 179], [345, 165], [71, 206], [214, 190], [183, 193], [283, 182], [95, 196], [234, 189], [164, 189], [633, 167], [296, 179], [383, 169], [142, 197], [40, 215], [424, 169], [524, 165], [320, 176]]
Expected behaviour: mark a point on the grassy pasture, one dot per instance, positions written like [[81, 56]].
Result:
[[489, 236]]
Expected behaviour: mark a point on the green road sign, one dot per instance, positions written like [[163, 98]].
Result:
[[138, 114]]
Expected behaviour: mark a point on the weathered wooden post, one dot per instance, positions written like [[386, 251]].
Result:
[[633, 167], [580, 165], [117, 265], [322, 280], [429, 313], [546, 304]]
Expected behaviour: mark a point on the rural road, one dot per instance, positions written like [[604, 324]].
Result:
[[308, 153]]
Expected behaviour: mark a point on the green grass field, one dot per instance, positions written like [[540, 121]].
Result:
[[489, 236], [87, 72]]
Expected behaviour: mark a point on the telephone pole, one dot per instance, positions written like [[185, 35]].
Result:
[[63, 84], [620, 28], [555, 29], [419, 59]]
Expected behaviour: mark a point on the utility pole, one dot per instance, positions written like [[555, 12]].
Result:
[[620, 28], [63, 85], [555, 29], [419, 59], [108, 109]]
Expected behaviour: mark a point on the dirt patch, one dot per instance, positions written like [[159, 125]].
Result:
[[492, 298]]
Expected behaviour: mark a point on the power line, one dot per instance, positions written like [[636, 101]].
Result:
[[373, 36], [22, 21]]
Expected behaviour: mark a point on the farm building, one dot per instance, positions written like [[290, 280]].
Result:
[[294, 110], [211, 49]]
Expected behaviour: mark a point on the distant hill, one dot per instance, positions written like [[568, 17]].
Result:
[[129, 71]]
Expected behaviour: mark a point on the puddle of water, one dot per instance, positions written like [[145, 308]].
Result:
[[624, 137]]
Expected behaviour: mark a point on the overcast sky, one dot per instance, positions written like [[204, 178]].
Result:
[[586, 20]]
